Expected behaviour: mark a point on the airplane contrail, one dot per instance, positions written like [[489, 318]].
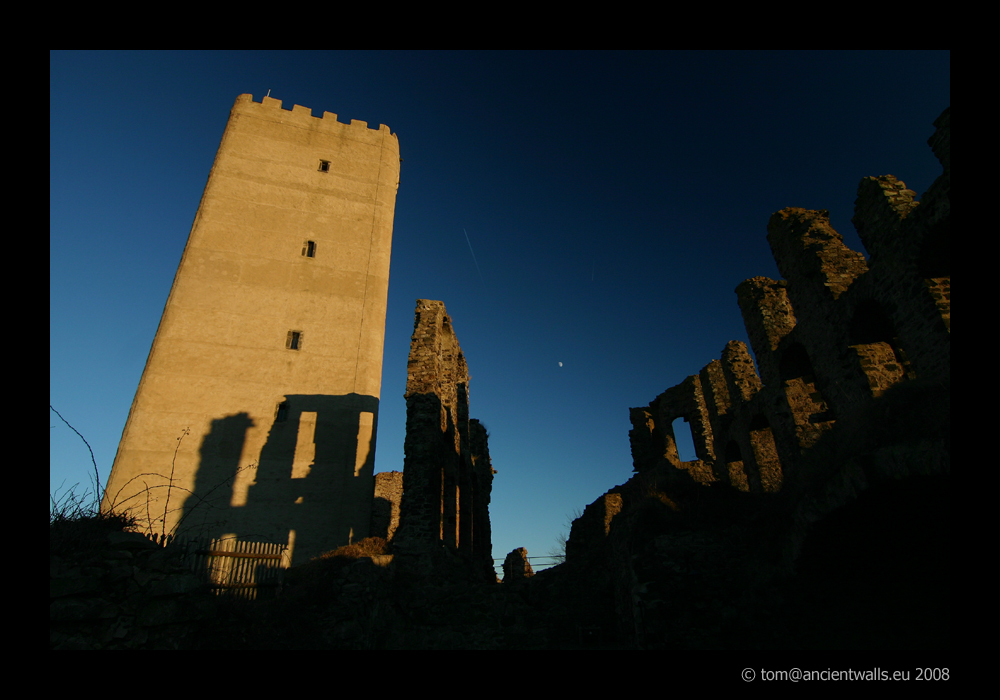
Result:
[[474, 258]]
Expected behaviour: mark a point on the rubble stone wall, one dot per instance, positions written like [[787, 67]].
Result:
[[824, 473], [447, 473], [125, 593], [385, 508], [832, 336]]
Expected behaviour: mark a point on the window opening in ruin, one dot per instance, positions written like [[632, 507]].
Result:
[[759, 422], [281, 412], [294, 340], [683, 439], [733, 452], [803, 395], [309, 249], [870, 324], [795, 364], [324, 166]]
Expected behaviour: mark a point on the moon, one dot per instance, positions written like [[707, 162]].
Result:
[[560, 364]]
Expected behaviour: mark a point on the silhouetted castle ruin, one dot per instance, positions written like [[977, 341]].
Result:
[[447, 473], [815, 514], [832, 336], [848, 417]]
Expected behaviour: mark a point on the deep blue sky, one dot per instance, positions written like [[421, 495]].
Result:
[[613, 201]]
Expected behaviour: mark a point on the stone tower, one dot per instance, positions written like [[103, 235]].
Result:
[[256, 414]]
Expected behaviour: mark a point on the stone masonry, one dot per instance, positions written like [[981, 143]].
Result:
[[385, 507], [256, 416], [447, 474], [516, 566], [815, 513], [833, 335]]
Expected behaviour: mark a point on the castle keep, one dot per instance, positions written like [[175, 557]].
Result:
[[257, 410]]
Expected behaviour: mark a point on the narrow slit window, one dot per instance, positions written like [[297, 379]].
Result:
[[294, 340], [309, 249], [324, 166]]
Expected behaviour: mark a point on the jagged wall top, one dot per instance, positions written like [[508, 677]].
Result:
[[436, 364], [304, 115], [831, 337]]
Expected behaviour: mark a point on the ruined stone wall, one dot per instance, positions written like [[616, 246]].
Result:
[[832, 336], [385, 507], [591, 528], [447, 473], [838, 453], [516, 566], [482, 488], [120, 590]]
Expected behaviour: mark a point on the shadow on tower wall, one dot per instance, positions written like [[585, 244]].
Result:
[[313, 484]]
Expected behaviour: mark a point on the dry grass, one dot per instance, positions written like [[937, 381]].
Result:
[[368, 547], [75, 533], [328, 565]]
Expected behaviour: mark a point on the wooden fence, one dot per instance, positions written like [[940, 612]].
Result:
[[242, 569], [247, 570]]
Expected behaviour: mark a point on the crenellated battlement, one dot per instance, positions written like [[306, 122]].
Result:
[[270, 106]]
